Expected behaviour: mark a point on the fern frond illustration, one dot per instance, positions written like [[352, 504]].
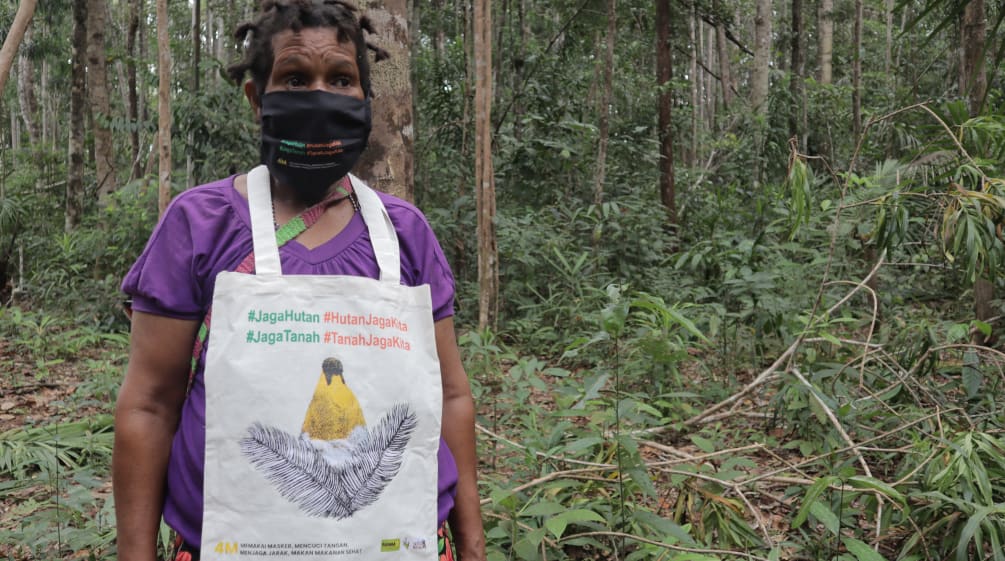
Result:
[[337, 478]]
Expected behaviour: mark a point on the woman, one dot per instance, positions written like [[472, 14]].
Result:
[[306, 58]]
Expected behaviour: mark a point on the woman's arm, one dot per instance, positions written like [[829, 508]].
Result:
[[459, 432], [146, 417]]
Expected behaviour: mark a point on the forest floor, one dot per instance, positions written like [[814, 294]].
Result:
[[750, 464]]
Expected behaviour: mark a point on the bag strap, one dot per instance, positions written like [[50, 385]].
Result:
[[288, 232], [383, 236]]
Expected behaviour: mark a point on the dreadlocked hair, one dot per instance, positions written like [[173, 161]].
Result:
[[276, 16]]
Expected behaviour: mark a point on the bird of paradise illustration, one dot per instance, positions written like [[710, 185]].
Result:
[[337, 465]]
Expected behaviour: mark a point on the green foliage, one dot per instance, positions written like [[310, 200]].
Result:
[[71, 445]]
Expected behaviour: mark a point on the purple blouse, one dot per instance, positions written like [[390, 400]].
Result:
[[207, 230]]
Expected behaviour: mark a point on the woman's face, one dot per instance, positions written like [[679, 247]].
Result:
[[311, 59]]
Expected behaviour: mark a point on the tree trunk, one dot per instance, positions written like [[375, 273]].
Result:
[[78, 98], [692, 23], [974, 83], [488, 253], [196, 43], [132, 105], [797, 69], [825, 51], [26, 92], [97, 90], [47, 136], [722, 51], [17, 29], [856, 73], [888, 52], [762, 57], [388, 163], [664, 73], [605, 104], [711, 99], [163, 107]]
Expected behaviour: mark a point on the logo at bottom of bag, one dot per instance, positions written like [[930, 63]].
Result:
[[393, 544], [415, 544]]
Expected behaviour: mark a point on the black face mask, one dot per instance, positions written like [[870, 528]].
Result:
[[311, 139]]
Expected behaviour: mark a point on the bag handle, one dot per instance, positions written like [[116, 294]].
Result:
[[383, 236], [263, 234]]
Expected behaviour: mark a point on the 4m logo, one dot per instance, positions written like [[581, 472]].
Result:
[[225, 547]]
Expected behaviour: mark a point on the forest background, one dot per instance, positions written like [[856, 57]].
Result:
[[727, 269]]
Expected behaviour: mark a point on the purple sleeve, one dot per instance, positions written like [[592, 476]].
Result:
[[198, 236], [422, 259], [161, 281]]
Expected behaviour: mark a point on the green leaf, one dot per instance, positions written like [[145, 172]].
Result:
[[671, 532], [557, 524], [812, 494], [972, 528], [983, 327], [704, 444], [542, 509], [864, 482], [826, 516], [861, 550]]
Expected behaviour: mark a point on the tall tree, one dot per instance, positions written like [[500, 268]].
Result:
[[22, 18], [26, 90], [485, 194], [78, 85], [973, 85], [97, 90], [196, 43], [973, 77], [856, 72], [760, 75], [691, 159], [722, 51], [132, 106], [664, 74], [163, 107], [825, 44], [797, 68], [389, 163], [605, 103]]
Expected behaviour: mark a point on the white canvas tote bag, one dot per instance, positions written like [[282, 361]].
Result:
[[323, 404]]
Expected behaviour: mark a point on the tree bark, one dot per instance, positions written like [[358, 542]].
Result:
[[78, 97], [664, 73], [722, 51], [488, 253], [26, 92], [605, 104], [797, 70], [388, 163], [163, 108], [973, 85], [762, 57], [856, 72], [22, 18], [692, 149], [973, 82], [825, 50], [97, 90], [888, 52], [196, 42], [132, 105]]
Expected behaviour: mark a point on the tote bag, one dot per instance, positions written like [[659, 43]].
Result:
[[323, 404]]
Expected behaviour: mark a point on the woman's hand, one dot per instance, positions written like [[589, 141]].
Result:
[[146, 417], [459, 432]]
